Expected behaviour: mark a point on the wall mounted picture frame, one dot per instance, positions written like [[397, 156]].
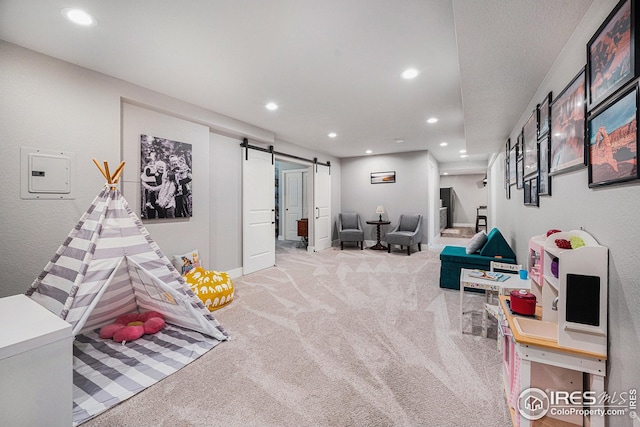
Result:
[[513, 159], [544, 183], [530, 143], [613, 140], [612, 54], [544, 115], [383, 177], [568, 112], [531, 192], [165, 178], [519, 162]]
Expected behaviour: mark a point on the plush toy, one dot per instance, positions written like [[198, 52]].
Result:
[[563, 243], [132, 326], [576, 242]]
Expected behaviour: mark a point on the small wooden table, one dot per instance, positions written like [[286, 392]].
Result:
[[378, 246]]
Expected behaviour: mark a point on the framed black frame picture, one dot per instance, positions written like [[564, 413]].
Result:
[[613, 140], [530, 136], [513, 159], [519, 163], [544, 115], [568, 112], [544, 183], [531, 192], [612, 57], [388, 177]]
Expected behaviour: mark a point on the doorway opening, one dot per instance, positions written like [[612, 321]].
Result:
[[292, 202]]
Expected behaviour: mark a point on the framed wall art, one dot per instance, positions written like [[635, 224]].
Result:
[[613, 141], [519, 163], [383, 177], [165, 178], [544, 183], [513, 158], [612, 54], [531, 192], [567, 127], [544, 115], [530, 135]]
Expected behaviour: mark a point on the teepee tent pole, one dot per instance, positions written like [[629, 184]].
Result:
[[101, 170]]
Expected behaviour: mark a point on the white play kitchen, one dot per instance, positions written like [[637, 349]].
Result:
[[554, 361]]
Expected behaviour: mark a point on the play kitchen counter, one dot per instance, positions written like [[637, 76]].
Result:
[[552, 358]]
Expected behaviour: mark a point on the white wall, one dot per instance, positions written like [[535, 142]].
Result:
[[409, 194], [609, 213], [469, 194], [50, 104]]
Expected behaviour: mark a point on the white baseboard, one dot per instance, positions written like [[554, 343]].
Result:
[[236, 272]]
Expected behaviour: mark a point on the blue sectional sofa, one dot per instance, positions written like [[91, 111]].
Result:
[[454, 258]]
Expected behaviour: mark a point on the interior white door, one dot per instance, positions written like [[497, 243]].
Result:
[[293, 203], [258, 211], [322, 207]]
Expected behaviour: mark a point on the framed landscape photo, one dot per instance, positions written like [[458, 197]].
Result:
[[383, 177], [544, 115], [612, 54], [613, 141], [530, 153], [568, 112]]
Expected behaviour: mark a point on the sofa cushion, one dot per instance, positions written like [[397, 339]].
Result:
[[497, 246], [477, 242], [349, 221], [458, 255]]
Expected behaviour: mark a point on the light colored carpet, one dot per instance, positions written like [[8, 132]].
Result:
[[335, 338], [465, 232]]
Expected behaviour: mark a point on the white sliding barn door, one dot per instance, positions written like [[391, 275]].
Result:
[[258, 211], [322, 207]]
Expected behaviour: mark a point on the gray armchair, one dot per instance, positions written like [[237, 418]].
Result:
[[407, 233], [350, 229]]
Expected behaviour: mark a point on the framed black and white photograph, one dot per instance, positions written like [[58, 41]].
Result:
[[531, 191], [165, 178], [519, 163], [568, 113], [530, 135]]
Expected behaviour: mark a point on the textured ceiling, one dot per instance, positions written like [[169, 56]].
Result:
[[331, 65]]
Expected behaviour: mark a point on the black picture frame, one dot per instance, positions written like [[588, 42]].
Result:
[[613, 140], [388, 177], [513, 160], [530, 144], [544, 183], [507, 185], [612, 57], [531, 191], [519, 163], [544, 116], [568, 114]]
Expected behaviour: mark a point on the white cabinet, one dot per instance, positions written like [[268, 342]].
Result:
[[36, 365], [579, 279]]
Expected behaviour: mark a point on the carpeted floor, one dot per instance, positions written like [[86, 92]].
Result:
[[464, 232], [335, 338]]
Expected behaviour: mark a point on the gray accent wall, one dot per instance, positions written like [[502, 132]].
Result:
[[409, 194], [469, 194], [610, 214]]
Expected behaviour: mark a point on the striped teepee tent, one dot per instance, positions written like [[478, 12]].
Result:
[[109, 265]]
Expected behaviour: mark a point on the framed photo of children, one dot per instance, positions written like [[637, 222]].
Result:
[[612, 59], [530, 134], [567, 127], [165, 178], [613, 141]]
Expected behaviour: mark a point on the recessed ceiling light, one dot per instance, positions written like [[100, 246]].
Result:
[[272, 106], [463, 151], [463, 156], [445, 173], [79, 17], [332, 134], [432, 120], [409, 73], [399, 140], [444, 144], [368, 151]]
